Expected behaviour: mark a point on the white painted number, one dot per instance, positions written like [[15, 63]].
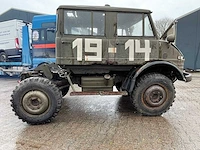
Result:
[[130, 44], [79, 44], [146, 50], [134, 46], [95, 46], [91, 46]]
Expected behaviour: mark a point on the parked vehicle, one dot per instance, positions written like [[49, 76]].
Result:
[[11, 39], [43, 39], [98, 48], [36, 44]]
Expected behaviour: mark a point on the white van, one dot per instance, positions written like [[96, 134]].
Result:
[[10, 39]]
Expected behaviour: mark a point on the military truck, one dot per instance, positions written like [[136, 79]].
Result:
[[98, 48]]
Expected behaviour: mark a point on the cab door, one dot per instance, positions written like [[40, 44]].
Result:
[[82, 39], [135, 39]]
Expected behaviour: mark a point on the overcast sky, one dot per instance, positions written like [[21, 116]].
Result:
[[160, 8]]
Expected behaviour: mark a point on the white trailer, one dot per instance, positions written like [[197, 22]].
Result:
[[10, 39]]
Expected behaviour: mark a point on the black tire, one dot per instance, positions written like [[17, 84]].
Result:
[[65, 91], [153, 94], [36, 100], [3, 57]]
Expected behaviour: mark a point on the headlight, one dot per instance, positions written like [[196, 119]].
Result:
[[181, 58]]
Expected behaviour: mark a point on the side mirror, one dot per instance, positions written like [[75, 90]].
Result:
[[171, 38]]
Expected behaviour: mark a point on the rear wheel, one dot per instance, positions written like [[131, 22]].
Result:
[[36, 100], [153, 95], [3, 57]]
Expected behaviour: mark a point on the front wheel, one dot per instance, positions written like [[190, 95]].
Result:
[[36, 100], [153, 94]]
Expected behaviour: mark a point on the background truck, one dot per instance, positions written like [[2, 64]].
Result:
[[98, 48], [43, 39], [11, 39], [36, 42]]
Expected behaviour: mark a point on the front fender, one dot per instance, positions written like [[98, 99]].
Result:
[[156, 66]]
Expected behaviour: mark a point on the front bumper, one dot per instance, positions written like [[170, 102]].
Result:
[[188, 76]]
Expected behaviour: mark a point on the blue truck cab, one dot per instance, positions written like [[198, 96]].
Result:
[[43, 39]]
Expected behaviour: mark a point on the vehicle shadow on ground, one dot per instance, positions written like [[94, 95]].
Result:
[[125, 105], [98, 122], [96, 108]]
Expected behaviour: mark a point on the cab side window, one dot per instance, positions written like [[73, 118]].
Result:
[[84, 23], [51, 36], [147, 27], [134, 24], [98, 23], [129, 24]]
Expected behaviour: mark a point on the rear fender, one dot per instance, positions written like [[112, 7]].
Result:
[[45, 68]]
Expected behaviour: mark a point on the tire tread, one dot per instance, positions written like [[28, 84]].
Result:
[[46, 82]]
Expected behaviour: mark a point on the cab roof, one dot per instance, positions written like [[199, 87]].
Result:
[[103, 8]]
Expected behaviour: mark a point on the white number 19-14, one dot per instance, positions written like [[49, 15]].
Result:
[[95, 46]]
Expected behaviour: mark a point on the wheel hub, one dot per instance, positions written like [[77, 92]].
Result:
[[155, 96], [35, 102], [3, 58]]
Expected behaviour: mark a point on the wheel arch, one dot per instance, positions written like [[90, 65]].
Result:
[[163, 67], [2, 50]]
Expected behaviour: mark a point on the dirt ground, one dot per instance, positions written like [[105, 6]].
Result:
[[105, 123]]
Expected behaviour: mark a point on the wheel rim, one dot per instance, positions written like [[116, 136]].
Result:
[[155, 96], [3, 58], [35, 102]]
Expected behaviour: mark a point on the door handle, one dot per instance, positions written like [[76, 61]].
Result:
[[66, 42], [119, 43]]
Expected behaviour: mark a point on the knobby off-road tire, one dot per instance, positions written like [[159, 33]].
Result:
[[36, 100], [153, 94]]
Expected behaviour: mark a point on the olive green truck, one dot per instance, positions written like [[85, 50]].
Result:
[[98, 48]]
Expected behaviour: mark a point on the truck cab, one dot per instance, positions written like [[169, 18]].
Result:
[[103, 35], [43, 39]]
